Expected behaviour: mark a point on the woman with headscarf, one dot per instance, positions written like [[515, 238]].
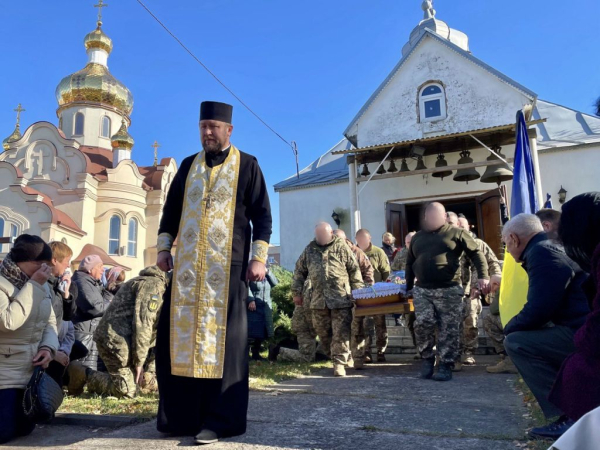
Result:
[[92, 301], [577, 387], [115, 276], [27, 328]]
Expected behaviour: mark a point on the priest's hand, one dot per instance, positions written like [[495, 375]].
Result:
[[256, 271], [298, 301], [165, 261]]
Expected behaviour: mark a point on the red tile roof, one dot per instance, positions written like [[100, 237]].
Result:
[[59, 217]]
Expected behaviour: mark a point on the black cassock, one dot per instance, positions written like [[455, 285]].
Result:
[[188, 405]]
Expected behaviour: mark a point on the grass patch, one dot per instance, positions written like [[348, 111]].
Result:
[[262, 374], [537, 416]]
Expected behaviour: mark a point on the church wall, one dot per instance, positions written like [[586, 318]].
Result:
[[475, 98], [299, 212], [576, 170], [92, 123]]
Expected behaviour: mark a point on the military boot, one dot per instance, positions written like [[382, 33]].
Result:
[[381, 357], [444, 372], [368, 358], [149, 383], [427, 368], [359, 364], [339, 370], [504, 366], [468, 359], [77, 378]]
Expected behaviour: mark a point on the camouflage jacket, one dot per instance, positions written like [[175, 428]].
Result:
[[399, 262], [333, 272], [469, 271], [131, 319], [366, 269]]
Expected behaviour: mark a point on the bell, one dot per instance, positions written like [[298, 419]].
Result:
[[441, 162], [404, 166], [420, 164], [469, 174], [496, 174], [381, 170], [365, 171], [392, 168]]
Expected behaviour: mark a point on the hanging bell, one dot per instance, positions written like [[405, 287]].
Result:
[[404, 166], [469, 174], [381, 170], [420, 164], [392, 168], [365, 171], [499, 173], [441, 162]]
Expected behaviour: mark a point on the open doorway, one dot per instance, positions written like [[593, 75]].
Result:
[[482, 212]]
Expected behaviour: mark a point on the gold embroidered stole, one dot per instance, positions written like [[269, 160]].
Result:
[[200, 290]]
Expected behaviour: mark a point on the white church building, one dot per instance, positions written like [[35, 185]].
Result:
[[425, 134], [77, 183]]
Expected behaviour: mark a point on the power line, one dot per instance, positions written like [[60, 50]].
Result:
[[291, 145]]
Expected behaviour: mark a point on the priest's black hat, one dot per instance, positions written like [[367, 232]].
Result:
[[216, 111]]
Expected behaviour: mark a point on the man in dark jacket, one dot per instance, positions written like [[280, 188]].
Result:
[[540, 337], [434, 260], [92, 301]]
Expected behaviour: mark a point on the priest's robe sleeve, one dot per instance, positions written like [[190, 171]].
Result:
[[259, 213]]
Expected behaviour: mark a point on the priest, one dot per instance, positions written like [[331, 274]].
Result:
[[218, 210]]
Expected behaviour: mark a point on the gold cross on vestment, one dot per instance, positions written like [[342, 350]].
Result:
[[19, 110], [100, 5], [156, 145], [208, 201]]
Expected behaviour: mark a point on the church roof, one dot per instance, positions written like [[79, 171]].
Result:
[[564, 127], [59, 217], [427, 33], [327, 169], [90, 249]]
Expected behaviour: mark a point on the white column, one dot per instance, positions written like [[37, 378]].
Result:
[[354, 212], [536, 168]]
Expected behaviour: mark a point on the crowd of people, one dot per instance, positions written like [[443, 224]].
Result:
[[91, 328], [449, 272]]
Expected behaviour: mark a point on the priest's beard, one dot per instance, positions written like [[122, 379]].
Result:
[[212, 145]]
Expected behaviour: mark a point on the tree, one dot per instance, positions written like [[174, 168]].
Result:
[[597, 106]]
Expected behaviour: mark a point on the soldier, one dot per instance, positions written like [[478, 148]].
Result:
[[381, 268], [127, 333], [303, 328], [433, 259], [333, 272], [399, 264], [494, 329], [359, 324]]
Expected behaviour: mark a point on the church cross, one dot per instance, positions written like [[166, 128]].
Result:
[[19, 110], [100, 5], [156, 145]]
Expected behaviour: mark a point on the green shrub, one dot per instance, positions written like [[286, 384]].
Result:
[[283, 305]]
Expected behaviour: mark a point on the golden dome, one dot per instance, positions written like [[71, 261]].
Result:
[[94, 83], [15, 136], [122, 139], [97, 39]]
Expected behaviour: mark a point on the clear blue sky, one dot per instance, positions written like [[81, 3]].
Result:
[[305, 66]]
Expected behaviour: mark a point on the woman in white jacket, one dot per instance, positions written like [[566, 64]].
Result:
[[28, 335]]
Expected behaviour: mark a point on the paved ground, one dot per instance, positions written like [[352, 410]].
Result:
[[383, 407]]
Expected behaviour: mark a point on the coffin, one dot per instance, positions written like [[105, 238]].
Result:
[[382, 298]]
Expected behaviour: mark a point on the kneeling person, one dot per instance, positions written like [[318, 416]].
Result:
[[127, 333]]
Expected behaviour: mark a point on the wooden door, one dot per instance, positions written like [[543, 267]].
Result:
[[489, 219], [395, 222]]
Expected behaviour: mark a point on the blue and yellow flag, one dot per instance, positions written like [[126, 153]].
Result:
[[513, 290]]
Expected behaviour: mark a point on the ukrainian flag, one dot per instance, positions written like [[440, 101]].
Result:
[[514, 286]]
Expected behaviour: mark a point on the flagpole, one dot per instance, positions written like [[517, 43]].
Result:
[[536, 165]]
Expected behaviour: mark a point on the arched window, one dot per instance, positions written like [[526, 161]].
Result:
[[114, 235], [432, 103], [132, 237], [105, 127], [79, 119]]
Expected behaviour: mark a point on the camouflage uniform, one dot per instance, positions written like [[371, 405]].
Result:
[[333, 273], [473, 306], [358, 343], [303, 328], [126, 333], [493, 327], [381, 268], [399, 262], [438, 310]]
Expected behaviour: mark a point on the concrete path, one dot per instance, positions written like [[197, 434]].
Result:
[[382, 407]]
